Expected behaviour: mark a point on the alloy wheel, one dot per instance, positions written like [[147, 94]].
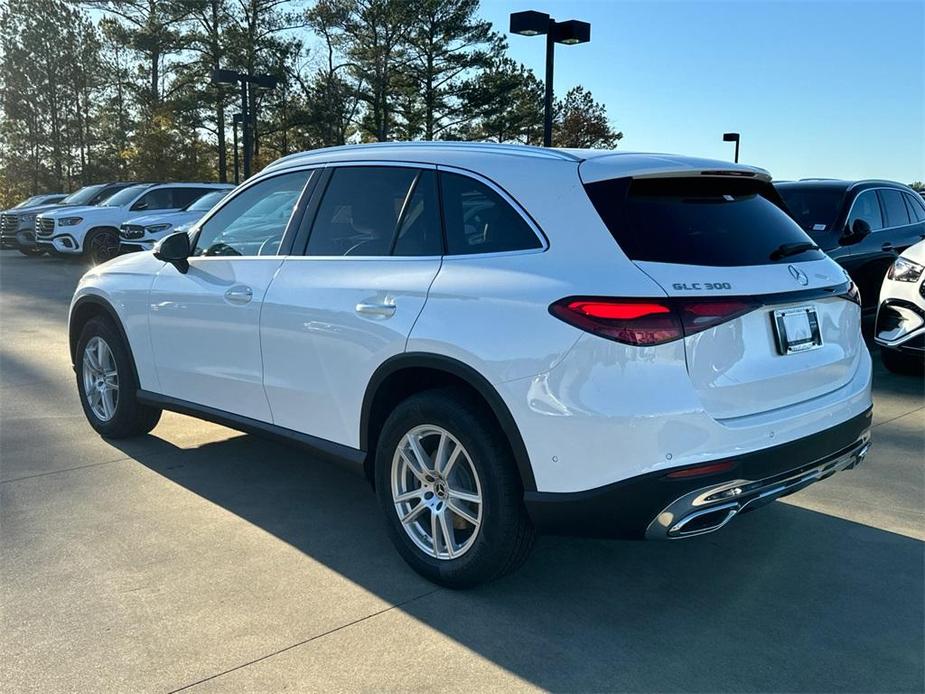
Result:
[[100, 379], [436, 492]]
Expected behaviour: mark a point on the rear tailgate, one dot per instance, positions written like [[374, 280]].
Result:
[[711, 236], [738, 367]]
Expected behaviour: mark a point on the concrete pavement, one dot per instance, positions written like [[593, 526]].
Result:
[[201, 558]]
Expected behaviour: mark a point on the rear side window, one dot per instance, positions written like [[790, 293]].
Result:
[[373, 211], [867, 208], [916, 207], [697, 221], [479, 220], [894, 207]]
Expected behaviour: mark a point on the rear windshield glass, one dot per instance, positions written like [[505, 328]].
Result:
[[699, 221], [815, 209]]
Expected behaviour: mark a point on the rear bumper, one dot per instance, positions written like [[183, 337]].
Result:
[[654, 506]]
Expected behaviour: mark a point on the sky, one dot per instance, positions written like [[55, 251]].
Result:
[[816, 88]]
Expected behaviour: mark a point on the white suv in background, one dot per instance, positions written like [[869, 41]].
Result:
[[94, 231], [501, 338], [900, 330]]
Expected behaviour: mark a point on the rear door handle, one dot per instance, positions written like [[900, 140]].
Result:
[[384, 310], [239, 295], [887, 246]]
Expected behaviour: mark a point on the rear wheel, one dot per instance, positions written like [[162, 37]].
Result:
[[901, 363], [107, 384], [448, 487], [101, 245]]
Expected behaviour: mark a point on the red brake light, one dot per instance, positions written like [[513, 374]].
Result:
[[645, 322], [630, 321], [616, 311]]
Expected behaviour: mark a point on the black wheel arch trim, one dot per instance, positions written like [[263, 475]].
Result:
[[110, 312], [453, 367]]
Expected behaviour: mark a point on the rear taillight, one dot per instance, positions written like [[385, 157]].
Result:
[[645, 322], [853, 294], [632, 322]]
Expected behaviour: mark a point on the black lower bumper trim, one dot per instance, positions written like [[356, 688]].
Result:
[[624, 509]]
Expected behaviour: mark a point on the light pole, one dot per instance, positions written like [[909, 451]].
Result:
[[733, 137], [235, 119], [247, 120], [569, 33]]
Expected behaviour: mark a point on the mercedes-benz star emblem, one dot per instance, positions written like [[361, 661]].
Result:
[[798, 275]]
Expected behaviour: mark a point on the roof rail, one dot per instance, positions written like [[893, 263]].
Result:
[[495, 147]]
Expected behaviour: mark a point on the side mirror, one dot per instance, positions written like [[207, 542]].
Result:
[[174, 249], [859, 230], [140, 205]]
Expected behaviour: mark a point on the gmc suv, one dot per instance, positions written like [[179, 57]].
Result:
[[503, 339]]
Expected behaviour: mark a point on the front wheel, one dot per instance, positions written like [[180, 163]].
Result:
[[31, 251], [107, 384], [101, 245], [450, 492]]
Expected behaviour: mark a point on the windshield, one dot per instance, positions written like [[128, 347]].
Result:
[[124, 196], [83, 196], [28, 202], [718, 221], [206, 202], [815, 209]]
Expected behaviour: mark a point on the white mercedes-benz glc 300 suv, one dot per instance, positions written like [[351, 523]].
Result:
[[503, 339]]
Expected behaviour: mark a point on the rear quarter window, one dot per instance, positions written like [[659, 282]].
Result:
[[697, 220]]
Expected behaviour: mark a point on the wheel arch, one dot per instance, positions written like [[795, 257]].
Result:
[[85, 309], [412, 372]]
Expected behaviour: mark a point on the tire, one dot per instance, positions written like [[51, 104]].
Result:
[[101, 245], [127, 417], [502, 536], [900, 363], [31, 251]]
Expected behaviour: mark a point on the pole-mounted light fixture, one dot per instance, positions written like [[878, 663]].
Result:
[[733, 137], [568, 33], [245, 118]]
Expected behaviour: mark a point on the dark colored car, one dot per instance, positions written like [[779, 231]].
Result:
[[863, 225]]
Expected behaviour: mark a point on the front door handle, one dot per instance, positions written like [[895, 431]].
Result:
[[384, 310], [887, 247], [239, 295]]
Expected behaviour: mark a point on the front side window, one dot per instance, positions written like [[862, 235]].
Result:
[[866, 207], [479, 220], [894, 207], [253, 222], [377, 211], [157, 199]]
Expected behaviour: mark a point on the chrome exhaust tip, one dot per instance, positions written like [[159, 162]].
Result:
[[704, 521]]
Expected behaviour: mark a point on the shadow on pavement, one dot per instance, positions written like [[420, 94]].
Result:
[[785, 599]]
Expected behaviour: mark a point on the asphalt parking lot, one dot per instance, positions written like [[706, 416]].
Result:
[[198, 557]]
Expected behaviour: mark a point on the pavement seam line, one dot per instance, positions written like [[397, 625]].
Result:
[[67, 469], [303, 642], [899, 416]]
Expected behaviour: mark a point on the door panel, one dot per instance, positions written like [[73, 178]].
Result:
[[204, 328], [327, 325]]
